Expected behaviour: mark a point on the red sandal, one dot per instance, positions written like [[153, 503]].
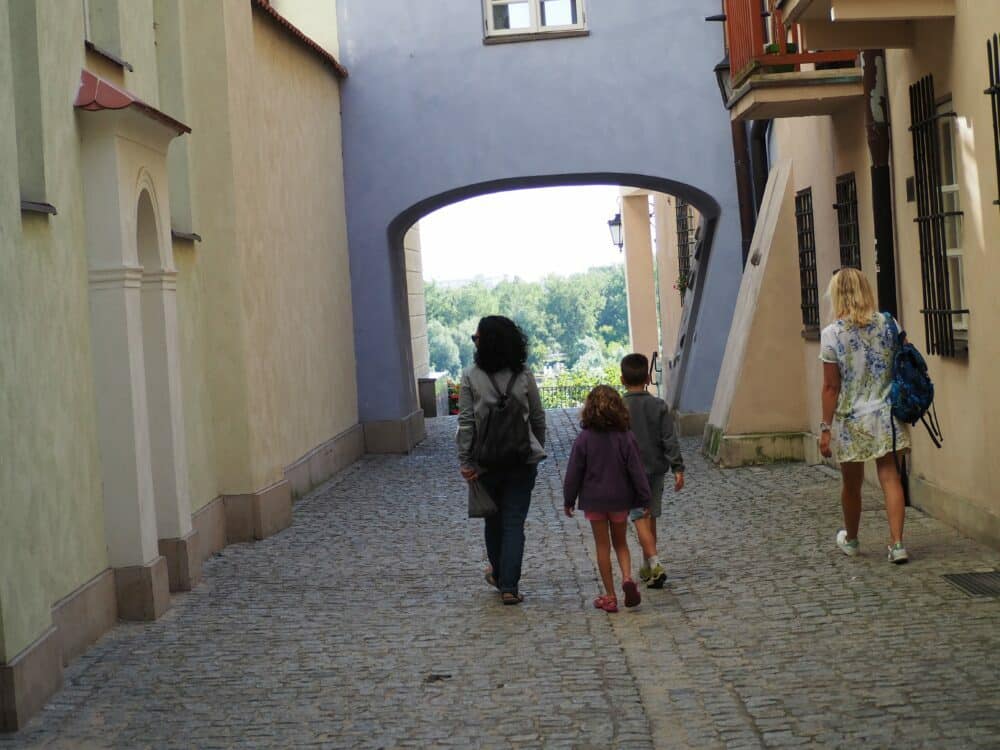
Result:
[[632, 595], [607, 603]]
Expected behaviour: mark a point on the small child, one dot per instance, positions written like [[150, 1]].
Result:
[[605, 471], [654, 432]]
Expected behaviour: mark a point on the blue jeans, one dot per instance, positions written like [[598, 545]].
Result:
[[511, 491]]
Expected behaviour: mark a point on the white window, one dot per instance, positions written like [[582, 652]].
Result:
[[519, 17], [952, 206]]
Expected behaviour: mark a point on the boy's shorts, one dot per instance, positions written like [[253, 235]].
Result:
[[656, 501]]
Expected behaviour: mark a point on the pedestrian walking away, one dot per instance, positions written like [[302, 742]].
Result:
[[653, 427], [857, 350], [501, 439], [605, 475]]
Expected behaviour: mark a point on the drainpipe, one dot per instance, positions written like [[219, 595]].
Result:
[[744, 185], [758, 161], [877, 128]]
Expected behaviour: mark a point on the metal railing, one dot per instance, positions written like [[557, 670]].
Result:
[[566, 396], [758, 39]]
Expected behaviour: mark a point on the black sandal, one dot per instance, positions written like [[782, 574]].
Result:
[[508, 597]]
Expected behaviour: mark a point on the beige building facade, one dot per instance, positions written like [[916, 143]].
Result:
[[659, 235], [821, 211], [178, 351]]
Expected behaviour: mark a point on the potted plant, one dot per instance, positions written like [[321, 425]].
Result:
[[775, 49]]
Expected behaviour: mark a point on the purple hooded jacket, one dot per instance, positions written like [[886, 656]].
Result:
[[605, 471]]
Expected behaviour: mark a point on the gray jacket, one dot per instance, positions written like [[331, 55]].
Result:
[[478, 395], [654, 430]]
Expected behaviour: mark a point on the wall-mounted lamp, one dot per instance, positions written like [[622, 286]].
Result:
[[723, 76], [615, 226]]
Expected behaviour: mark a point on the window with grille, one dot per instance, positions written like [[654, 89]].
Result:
[[808, 278], [993, 92], [519, 17], [847, 221], [939, 221], [685, 239]]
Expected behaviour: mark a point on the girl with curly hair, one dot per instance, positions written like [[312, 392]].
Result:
[[606, 474]]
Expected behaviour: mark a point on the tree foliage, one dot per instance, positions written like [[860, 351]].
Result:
[[578, 321]]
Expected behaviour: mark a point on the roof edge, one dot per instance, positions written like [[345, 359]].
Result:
[[265, 7]]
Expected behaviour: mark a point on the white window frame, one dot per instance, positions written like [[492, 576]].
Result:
[[955, 255], [86, 20], [535, 29]]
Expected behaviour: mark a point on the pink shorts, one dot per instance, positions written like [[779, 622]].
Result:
[[615, 516]]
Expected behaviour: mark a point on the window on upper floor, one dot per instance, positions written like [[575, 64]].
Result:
[[507, 19], [939, 220], [808, 279], [993, 92], [847, 221]]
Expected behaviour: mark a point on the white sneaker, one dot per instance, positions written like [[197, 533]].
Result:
[[897, 553], [850, 548]]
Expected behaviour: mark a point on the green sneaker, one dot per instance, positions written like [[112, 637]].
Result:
[[657, 577], [897, 553], [644, 573]]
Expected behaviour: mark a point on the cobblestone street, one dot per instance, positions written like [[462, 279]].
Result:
[[367, 624]]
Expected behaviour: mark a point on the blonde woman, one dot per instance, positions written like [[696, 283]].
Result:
[[857, 350]]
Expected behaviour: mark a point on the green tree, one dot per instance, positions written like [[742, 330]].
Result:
[[444, 352]]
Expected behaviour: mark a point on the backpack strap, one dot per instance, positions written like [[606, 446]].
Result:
[[896, 333], [503, 395]]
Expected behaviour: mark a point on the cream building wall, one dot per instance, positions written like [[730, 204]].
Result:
[[52, 535], [417, 306], [958, 482], [640, 283], [671, 301], [767, 405], [291, 230], [259, 335]]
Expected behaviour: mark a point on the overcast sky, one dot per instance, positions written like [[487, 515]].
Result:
[[525, 233]]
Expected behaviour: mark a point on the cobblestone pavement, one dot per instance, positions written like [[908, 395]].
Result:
[[367, 624]]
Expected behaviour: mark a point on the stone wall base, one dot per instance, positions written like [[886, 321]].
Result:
[[753, 449], [86, 614], [690, 424], [143, 591], [29, 680], [210, 523], [183, 557], [958, 512], [260, 514], [395, 435], [325, 460]]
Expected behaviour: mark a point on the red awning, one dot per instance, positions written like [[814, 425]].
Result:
[[96, 94]]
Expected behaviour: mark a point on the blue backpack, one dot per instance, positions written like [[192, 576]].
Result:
[[912, 393]]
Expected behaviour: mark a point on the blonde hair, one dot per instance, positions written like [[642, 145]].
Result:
[[852, 297]]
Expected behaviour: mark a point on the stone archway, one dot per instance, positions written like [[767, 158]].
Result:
[[707, 206]]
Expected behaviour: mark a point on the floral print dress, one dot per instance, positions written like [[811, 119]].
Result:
[[863, 422]]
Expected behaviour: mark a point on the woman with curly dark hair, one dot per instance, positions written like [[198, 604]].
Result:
[[605, 472], [501, 439]]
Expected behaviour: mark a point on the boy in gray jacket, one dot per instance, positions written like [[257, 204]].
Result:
[[653, 427]]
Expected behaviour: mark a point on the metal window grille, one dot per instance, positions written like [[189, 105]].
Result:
[[847, 221], [939, 317], [685, 238], [993, 61], [807, 259]]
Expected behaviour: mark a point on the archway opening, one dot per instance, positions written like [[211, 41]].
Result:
[[650, 280]]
